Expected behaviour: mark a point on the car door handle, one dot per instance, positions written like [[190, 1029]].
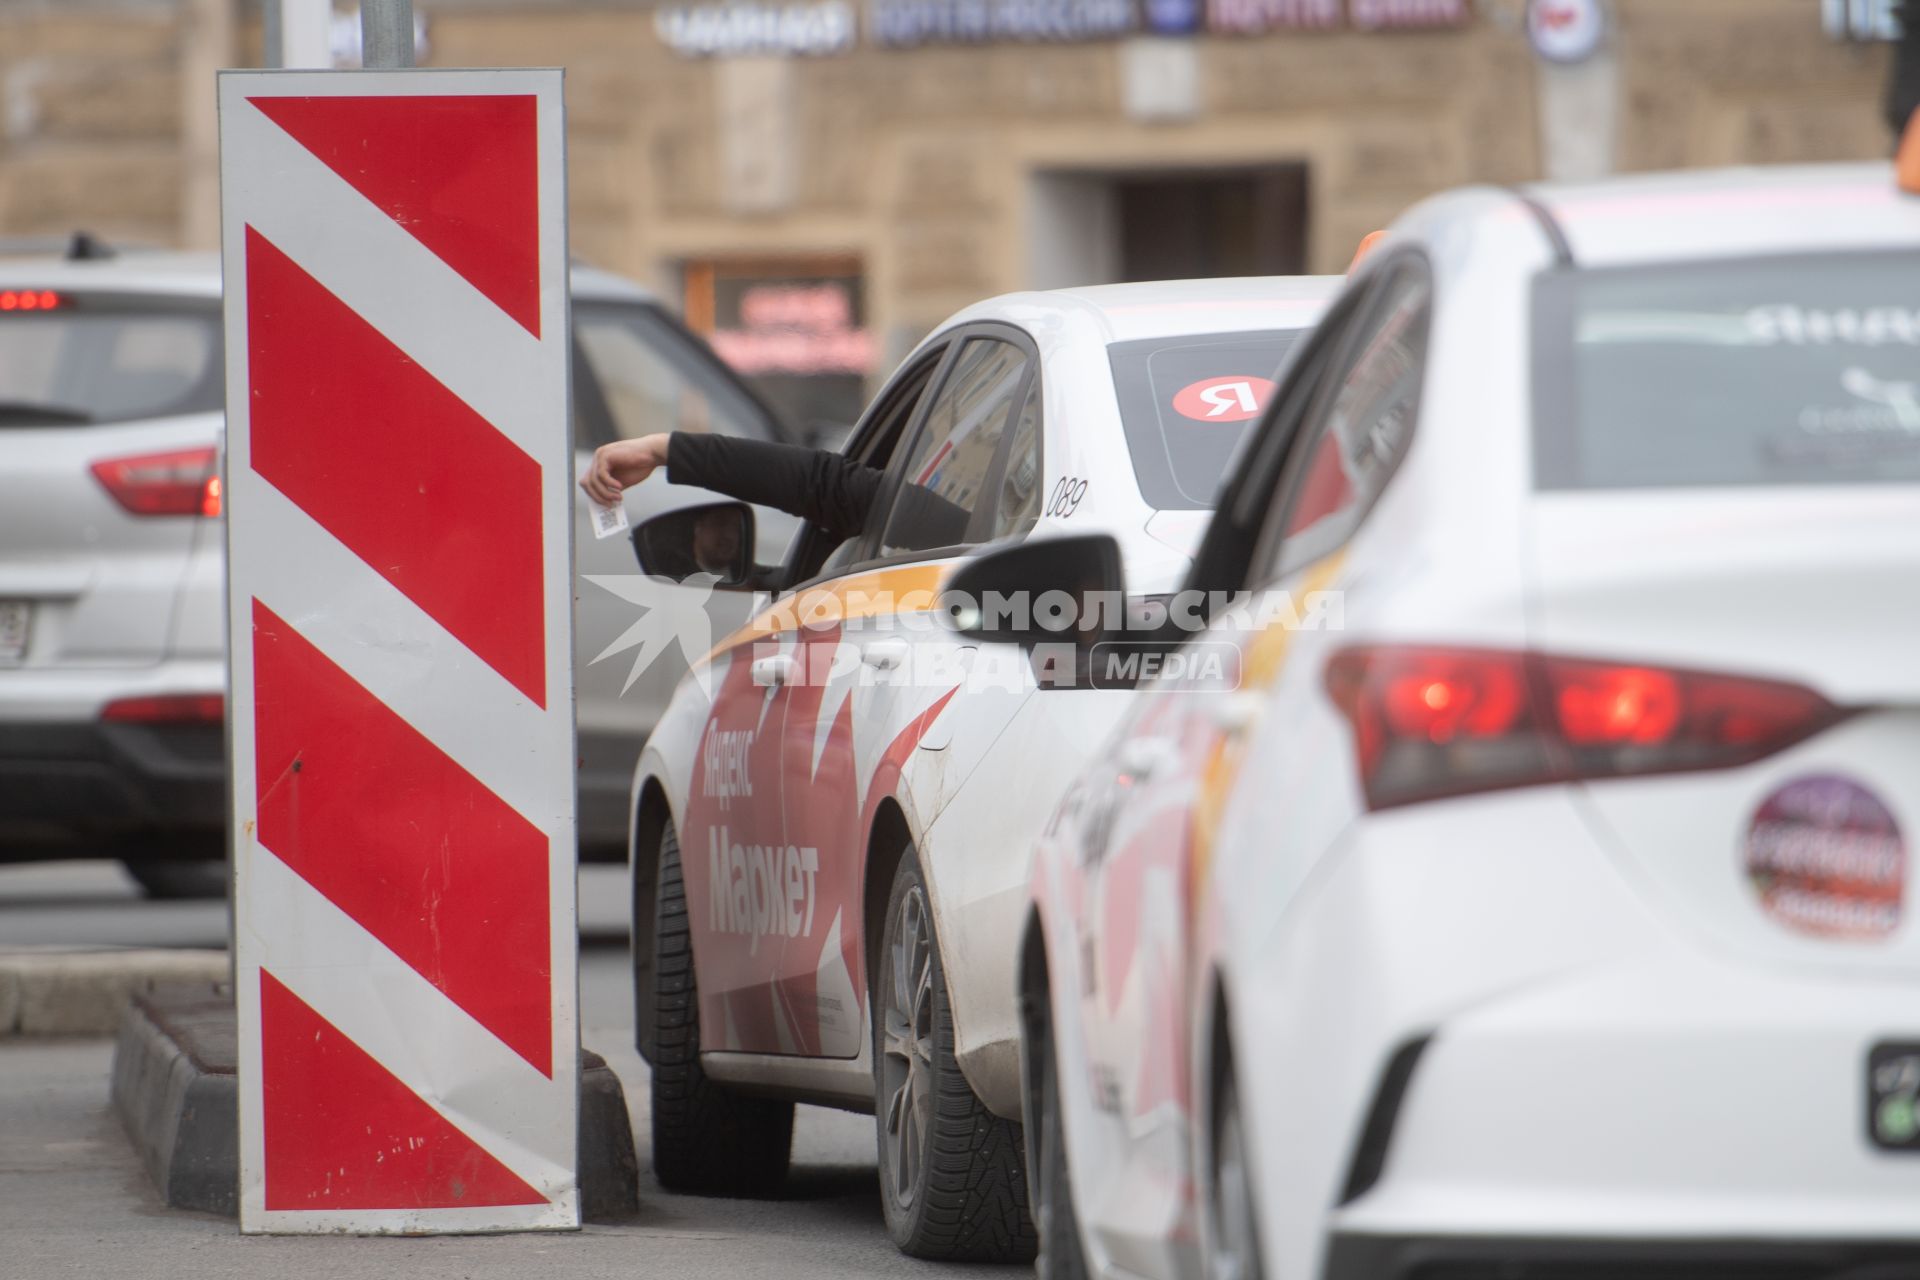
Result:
[[1234, 712], [774, 670], [1141, 758], [884, 655]]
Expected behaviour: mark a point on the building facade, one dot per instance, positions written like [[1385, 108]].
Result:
[[819, 182]]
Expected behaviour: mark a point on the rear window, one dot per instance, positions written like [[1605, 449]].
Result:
[[77, 360], [1786, 371], [1185, 404]]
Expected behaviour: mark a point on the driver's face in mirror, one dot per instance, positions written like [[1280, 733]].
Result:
[[716, 544]]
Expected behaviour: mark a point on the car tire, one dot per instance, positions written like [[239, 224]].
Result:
[[952, 1174], [1233, 1247], [707, 1140], [174, 878], [1061, 1255]]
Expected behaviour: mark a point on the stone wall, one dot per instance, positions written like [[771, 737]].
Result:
[[93, 102]]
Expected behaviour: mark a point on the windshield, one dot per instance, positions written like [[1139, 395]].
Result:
[[1770, 372], [636, 373], [1185, 402], [74, 360]]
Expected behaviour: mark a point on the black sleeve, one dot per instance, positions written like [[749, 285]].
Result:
[[821, 487]]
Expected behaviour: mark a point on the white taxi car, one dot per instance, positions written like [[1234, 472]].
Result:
[[1550, 911], [833, 819]]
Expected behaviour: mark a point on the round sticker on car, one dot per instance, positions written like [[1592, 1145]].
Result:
[[1826, 858], [1234, 398]]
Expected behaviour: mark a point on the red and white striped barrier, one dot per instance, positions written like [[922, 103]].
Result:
[[398, 501]]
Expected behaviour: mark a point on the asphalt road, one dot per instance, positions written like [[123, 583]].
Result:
[[74, 1202]]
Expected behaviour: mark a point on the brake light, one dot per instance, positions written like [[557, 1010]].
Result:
[[167, 708], [182, 483], [30, 300], [1432, 721]]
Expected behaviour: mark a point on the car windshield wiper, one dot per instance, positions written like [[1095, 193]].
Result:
[[26, 413]]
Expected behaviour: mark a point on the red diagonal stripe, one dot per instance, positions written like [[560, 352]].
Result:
[[393, 832], [397, 467], [459, 172], [343, 1133]]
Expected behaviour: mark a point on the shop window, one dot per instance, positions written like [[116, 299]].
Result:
[[796, 328]]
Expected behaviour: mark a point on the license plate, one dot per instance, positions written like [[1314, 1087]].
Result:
[[16, 619], [1893, 1096]]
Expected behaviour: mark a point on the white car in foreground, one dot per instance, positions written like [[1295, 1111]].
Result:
[[833, 819], [1553, 917]]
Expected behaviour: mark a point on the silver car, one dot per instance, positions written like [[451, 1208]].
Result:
[[112, 663]]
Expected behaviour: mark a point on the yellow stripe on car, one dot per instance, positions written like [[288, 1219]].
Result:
[[909, 588], [1260, 667]]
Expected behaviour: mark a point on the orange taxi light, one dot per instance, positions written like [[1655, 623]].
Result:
[[1906, 166], [1366, 247]]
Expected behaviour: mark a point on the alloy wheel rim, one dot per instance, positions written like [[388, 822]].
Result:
[[907, 1045]]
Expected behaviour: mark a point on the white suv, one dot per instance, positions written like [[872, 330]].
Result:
[[112, 610]]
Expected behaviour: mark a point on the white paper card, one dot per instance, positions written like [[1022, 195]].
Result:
[[608, 521]]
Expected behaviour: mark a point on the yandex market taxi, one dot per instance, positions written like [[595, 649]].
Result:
[[834, 817], [1552, 914]]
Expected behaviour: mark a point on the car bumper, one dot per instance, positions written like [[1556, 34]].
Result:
[[1389, 1258], [1585, 1069], [72, 784], [113, 790]]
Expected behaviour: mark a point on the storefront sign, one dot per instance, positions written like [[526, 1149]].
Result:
[[1254, 17], [906, 24], [1257, 17], [815, 27], [747, 30], [1408, 15], [1173, 17], [801, 329], [1860, 19], [1565, 30]]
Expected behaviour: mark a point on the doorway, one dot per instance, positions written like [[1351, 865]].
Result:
[[1171, 224]]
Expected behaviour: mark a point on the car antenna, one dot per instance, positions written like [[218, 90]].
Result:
[[87, 247]]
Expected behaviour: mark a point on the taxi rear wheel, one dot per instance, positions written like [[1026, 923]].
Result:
[[706, 1140], [952, 1176]]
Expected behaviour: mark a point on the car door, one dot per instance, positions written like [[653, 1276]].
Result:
[[1152, 830], [756, 878], [637, 372], [882, 668]]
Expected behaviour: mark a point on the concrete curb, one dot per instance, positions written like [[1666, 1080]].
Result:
[[52, 991], [175, 1088]]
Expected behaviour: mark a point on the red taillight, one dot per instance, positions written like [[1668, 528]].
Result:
[[167, 708], [1431, 722], [30, 300], [183, 483]]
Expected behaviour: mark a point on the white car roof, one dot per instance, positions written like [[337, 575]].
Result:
[[197, 274], [1168, 308], [1729, 213]]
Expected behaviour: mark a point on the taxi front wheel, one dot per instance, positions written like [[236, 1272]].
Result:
[[707, 1140], [1061, 1256], [951, 1172]]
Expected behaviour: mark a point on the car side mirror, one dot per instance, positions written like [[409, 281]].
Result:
[[1043, 591], [714, 539]]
